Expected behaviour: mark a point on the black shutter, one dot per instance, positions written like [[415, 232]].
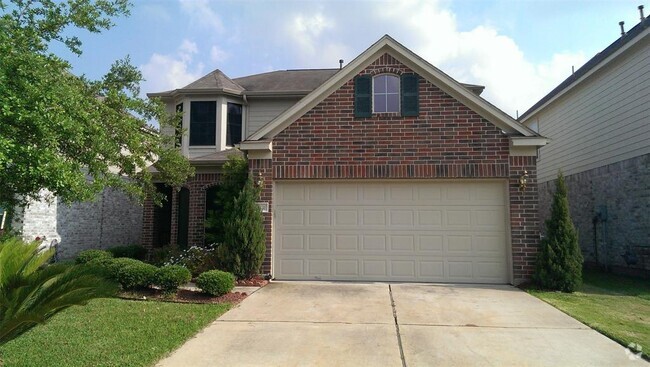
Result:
[[409, 94], [363, 96]]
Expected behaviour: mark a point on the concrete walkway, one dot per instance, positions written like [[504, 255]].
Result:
[[379, 324]]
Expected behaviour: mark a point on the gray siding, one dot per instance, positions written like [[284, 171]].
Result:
[[603, 120], [262, 111]]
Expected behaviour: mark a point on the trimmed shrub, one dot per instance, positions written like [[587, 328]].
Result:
[[170, 277], [244, 248], [216, 282], [89, 255], [233, 178], [559, 262], [131, 251], [131, 273]]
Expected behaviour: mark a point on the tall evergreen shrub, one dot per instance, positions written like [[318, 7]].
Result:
[[559, 262], [233, 179], [244, 246]]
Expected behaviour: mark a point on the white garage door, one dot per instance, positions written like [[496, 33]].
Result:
[[451, 231]]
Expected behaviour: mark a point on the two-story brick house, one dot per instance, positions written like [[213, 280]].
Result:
[[387, 169]]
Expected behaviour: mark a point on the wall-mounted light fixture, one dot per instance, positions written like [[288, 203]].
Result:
[[260, 178], [523, 181]]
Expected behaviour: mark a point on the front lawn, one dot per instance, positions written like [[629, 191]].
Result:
[[110, 332], [616, 306]]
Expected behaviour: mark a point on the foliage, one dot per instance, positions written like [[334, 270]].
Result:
[[131, 273], [170, 277], [111, 332], [216, 282], [58, 129], [88, 255], [559, 262], [233, 178], [196, 259], [31, 291], [131, 251], [244, 246]]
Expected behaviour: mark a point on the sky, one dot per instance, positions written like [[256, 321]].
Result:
[[519, 50]]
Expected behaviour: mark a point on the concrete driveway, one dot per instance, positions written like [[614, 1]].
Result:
[[380, 324]]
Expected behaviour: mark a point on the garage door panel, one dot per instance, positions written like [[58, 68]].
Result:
[[407, 231]]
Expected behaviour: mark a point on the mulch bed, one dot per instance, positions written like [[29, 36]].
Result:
[[256, 281], [183, 296], [190, 296]]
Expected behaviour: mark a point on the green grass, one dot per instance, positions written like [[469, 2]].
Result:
[[616, 306], [110, 332]]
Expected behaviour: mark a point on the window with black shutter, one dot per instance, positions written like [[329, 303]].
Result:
[[386, 93]]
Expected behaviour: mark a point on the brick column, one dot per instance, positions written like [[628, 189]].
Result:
[[524, 218], [147, 223]]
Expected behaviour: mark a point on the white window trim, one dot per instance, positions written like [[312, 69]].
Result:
[[386, 94]]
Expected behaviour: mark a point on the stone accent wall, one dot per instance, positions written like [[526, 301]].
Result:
[[622, 190], [113, 219], [196, 230], [446, 140]]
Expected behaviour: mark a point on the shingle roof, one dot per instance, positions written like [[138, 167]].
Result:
[[215, 80], [217, 157], [304, 80], [604, 54]]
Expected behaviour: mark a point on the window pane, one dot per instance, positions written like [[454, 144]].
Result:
[[392, 104], [203, 123], [380, 84], [392, 84], [233, 132], [380, 102]]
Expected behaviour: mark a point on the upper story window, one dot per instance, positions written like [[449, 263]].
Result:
[[179, 127], [203, 123], [234, 128], [385, 93]]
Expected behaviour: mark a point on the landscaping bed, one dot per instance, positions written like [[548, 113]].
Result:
[[183, 296]]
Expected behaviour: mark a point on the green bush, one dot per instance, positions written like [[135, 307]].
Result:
[[89, 255], [131, 251], [244, 247], [234, 174], [170, 277], [131, 273], [216, 282], [559, 261]]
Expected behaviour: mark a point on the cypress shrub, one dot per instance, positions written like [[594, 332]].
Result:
[[244, 244], [559, 262]]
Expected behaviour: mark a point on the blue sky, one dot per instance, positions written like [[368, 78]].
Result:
[[518, 49]]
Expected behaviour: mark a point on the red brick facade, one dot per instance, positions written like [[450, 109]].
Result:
[[447, 140]]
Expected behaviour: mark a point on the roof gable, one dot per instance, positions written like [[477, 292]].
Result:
[[216, 80], [388, 45]]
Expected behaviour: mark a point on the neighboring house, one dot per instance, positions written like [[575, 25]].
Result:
[[598, 121], [387, 169], [112, 219]]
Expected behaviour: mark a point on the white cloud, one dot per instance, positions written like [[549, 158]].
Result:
[[218, 55], [201, 14], [480, 55], [165, 72], [311, 42]]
